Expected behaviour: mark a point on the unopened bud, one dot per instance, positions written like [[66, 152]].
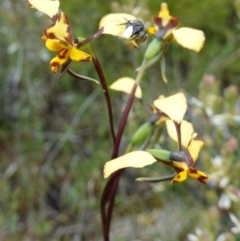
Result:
[[153, 49], [160, 154], [142, 133]]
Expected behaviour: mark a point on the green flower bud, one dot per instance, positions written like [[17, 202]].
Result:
[[142, 133], [153, 49], [160, 153]]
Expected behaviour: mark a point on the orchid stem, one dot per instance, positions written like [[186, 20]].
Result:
[[105, 91], [110, 190]]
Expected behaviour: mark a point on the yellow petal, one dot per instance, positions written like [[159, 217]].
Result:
[[201, 176], [56, 63], [125, 84], [48, 7], [182, 176], [114, 23], [174, 106], [78, 55], [60, 30], [179, 166], [186, 131], [54, 45], [194, 148], [189, 38], [164, 14], [137, 159]]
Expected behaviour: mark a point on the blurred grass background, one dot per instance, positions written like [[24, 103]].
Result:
[[55, 139]]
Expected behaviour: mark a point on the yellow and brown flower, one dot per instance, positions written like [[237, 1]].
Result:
[[184, 162], [164, 23], [58, 38], [165, 29]]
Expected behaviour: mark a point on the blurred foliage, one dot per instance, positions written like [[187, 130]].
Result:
[[55, 138]]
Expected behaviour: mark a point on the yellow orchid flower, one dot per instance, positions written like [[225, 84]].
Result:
[[58, 38], [184, 161], [165, 28]]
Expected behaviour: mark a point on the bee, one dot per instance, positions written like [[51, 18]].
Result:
[[135, 32]]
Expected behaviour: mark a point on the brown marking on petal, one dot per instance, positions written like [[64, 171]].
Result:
[[60, 29], [55, 66], [203, 179], [48, 34], [200, 176], [163, 30], [193, 170], [176, 178], [62, 54], [88, 58], [69, 37], [198, 139], [178, 169], [154, 109]]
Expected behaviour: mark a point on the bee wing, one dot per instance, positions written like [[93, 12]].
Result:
[[189, 38], [127, 33], [46, 6]]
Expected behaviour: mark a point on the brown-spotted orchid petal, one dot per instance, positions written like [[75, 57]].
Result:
[[114, 23], [64, 51], [136, 159], [65, 54], [189, 38], [60, 30], [174, 106], [126, 84], [78, 55], [54, 45], [49, 7], [200, 176], [180, 177], [56, 63]]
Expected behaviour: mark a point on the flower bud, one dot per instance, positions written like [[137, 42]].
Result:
[[153, 49], [160, 154], [142, 133]]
